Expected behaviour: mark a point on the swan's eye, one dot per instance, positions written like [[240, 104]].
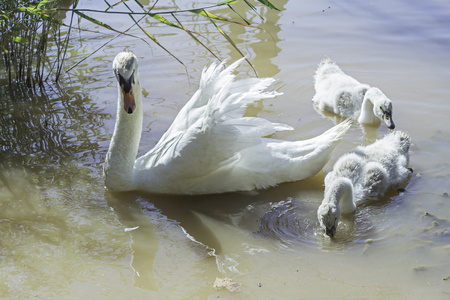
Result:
[[122, 81], [381, 107], [131, 80]]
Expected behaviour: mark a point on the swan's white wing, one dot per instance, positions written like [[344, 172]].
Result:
[[217, 85], [211, 129]]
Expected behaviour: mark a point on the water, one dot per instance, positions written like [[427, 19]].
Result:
[[64, 236]]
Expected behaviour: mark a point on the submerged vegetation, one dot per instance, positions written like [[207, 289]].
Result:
[[29, 28]]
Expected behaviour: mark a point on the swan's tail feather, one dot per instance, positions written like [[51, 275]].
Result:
[[337, 132], [256, 126], [327, 141], [318, 150]]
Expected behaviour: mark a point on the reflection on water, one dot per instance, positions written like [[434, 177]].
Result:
[[63, 235], [56, 235], [43, 132], [369, 131], [144, 243]]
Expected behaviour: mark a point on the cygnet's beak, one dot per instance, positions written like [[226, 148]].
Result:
[[387, 118], [127, 87], [330, 231]]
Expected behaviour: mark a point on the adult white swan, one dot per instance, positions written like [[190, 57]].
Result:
[[364, 173], [210, 147], [343, 95]]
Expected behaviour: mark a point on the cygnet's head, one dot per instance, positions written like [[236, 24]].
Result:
[[382, 106], [125, 68], [328, 215]]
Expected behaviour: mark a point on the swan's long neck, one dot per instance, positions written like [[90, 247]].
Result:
[[119, 162], [341, 194]]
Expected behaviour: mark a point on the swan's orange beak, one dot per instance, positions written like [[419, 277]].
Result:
[[128, 99]]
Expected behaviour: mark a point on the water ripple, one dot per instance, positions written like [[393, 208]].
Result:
[[294, 222], [289, 222]]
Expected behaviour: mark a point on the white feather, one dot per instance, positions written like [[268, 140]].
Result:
[[211, 147]]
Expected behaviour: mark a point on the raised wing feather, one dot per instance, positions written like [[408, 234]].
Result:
[[210, 128]]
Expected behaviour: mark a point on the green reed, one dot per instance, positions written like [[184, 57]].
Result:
[[29, 28], [26, 28]]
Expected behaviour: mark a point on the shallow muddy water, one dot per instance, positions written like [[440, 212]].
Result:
[[65, 236]]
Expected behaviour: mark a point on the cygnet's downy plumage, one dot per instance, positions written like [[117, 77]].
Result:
[[362, 174], [343, 95]]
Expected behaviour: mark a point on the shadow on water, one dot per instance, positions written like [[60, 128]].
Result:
[[156, 222], [212, 225], [217, 225]]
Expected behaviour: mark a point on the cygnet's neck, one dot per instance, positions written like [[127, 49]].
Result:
[[341, 194], [123, 149], [367, 116]]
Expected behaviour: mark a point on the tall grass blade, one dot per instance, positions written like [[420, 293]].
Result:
[[195, 38], [95, 21], [163, 20], [115, 4], [227, 2], [156, 41], [43, 3], [246, 22], [17, 39], [205, 13], [40, 14], [268, 4], [253, 8], [27, 27], [233, 44]]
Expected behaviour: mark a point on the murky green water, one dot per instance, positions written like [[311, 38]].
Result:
[[64, 236]]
